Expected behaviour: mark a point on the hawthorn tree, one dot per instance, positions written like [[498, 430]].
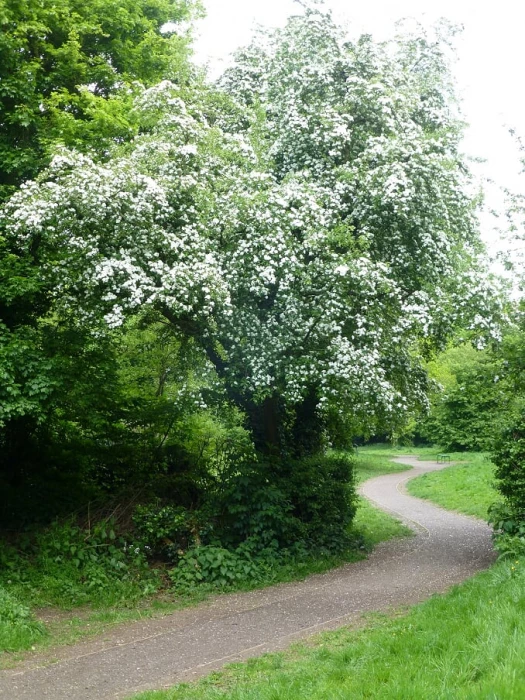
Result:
[[308, 224]]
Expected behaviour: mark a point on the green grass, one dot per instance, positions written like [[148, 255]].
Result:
[[18, 627], [469, 643], [371, 463], [467, 488], [53, 585], [376, 526], [387, 450]]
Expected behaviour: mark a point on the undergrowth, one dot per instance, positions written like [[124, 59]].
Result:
[[100, 568]]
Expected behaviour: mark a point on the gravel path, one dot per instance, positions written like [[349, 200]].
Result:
[[446, 549]]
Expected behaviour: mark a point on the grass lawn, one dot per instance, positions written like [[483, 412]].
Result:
[[467, 488], [21, 632]]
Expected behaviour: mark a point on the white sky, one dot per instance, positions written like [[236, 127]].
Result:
[[490, 69]]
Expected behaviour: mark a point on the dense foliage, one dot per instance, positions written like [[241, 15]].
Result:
[[509, 454], [508, 516], [509, 457], [474, 400], [68, 72], [66, 69]]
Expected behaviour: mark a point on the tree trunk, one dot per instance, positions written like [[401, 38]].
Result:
[[265, 424], [279, 432]]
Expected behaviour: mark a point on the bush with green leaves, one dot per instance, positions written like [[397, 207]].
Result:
[[167, 531], [254, 505], [509, 458], [281, 503], [216, 567], [321, 491], [18, 627], [68, 565], [509, 533]]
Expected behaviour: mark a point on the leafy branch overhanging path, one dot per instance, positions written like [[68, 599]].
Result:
[[446, 549]]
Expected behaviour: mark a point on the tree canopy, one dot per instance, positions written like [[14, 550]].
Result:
[[66, 69], [68, 73], [308, 224]]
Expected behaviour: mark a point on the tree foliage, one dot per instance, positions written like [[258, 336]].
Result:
[[509, 457], [68, 72], [66, 67], [303, 226], [475, 399], [509, 450]]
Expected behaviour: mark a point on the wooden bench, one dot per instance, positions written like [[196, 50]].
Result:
[[443, 457]]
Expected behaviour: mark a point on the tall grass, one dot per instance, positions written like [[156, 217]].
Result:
[[18, 627]]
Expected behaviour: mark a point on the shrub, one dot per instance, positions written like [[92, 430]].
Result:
[[12, 611], [252, 506], [508, 517], [280, 504], [167, 531], [509, 458], [322, 493], [510, 546], [215, 566], [18, 628]]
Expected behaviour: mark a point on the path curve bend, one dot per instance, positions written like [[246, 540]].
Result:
[[447, 548]]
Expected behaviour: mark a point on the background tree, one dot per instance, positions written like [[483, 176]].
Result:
[[68, 72], [67, 68], [476, 397]]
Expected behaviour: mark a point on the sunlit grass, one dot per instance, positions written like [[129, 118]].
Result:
[[467, 488]]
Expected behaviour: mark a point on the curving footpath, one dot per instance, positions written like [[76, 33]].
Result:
[[446, 549]]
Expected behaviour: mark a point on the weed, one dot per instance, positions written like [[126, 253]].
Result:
[[18, 627]]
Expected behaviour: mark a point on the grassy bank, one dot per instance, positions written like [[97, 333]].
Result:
[[46, 603], [467, 487]]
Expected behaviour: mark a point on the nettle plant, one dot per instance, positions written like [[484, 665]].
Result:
[[306, 222]]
